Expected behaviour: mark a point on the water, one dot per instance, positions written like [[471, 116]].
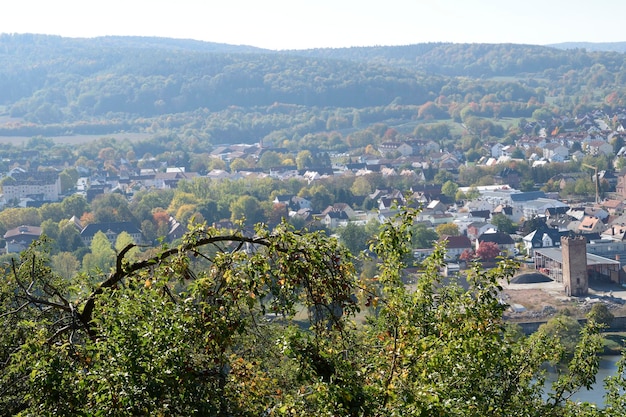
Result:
[[608, 367]]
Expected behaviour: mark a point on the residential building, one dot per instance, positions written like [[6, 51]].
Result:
[[111, 230], [591, 224], [620, 187], [476, 229], [555, 152], [40, 186], [388, 148], [543, 237], [19, 238], [455, 246], [503, 240]]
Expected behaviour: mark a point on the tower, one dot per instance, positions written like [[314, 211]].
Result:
[[575, 279]]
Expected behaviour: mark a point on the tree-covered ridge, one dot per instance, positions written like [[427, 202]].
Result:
[[475, 60], [47, 79], [80, 79], [592, 46]]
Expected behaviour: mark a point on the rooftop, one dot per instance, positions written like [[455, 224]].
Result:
[[557, 255]]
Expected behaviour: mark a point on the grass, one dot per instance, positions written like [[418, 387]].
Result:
[[78, 139], [613, 342]]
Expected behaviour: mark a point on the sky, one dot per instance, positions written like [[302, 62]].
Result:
[[303, 24]]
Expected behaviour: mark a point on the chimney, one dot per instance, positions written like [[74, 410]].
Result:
[[613, 230]]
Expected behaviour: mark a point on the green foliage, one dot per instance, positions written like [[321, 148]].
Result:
[[122, 241], [246, 208], [503, 223], [600, 314], [566, 329], [355, 237], [101, 256], [74, 205], [11, 218], [265, 324], [447, 229], [449, 188], [65, 264], [179, 338], [111, 207], [422, 236]]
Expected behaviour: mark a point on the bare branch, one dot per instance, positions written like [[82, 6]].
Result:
[[17, 310], [58, 333]]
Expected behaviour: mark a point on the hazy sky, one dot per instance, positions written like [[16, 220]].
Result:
[[299, 24]]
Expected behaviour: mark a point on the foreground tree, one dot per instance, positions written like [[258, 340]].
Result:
[[175, 334], [244, 325]]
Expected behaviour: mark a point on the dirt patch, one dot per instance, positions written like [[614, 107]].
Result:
[[534, 304], [530, 302]]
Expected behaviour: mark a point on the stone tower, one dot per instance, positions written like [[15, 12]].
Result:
[[575, 279]]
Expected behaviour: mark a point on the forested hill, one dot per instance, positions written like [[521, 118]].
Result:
[[60, 79], [475, 60], [593, 46], [47, 80]]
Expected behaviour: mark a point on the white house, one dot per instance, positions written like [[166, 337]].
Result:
[[555, 152], [496, 150]]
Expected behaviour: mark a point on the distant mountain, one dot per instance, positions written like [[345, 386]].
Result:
[[50, 80], [469, 60], [452, 59], [174, 44], [592, 46]]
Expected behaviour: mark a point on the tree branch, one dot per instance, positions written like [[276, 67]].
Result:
[[121, 272]]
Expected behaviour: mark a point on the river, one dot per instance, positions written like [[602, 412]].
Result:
[[608, 367]]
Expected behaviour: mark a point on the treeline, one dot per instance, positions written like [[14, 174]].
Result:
[[478, 59], [224, 94], [81, 80]]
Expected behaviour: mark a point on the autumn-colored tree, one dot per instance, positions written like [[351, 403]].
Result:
[[430, 111], [107, 154], [467, 255], [87, 218], [447, 229], [488, 251], [161, 218], [277, 212]]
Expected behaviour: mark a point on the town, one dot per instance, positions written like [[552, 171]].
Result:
[[561, 179]]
